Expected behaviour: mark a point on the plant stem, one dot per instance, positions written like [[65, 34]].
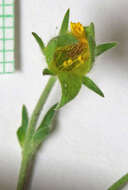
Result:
[[29, 151], [39, 106], [23, 173], [120, 183]]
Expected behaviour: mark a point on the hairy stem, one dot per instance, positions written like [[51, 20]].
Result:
[[23, 172], [39, 106], [28, 150]]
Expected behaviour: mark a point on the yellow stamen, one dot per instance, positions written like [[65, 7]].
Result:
[[80, 58], [67, 63], [77, 30]]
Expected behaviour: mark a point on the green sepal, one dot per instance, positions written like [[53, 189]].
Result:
[[70, 86], [50, 50], [45, 127], [104, 47], [91, 85], [39, 41], [58, 42], [65, 22], [21, 132], [90, 34], [91, 30], [66, 40], [47, 72]]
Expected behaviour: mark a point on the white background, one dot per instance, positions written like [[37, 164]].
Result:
[[89, 148]]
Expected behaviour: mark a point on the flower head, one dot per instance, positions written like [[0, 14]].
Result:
[[70, 56]]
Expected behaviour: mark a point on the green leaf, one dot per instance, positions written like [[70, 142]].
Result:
[[70, 85], [91, 30], [57, 42], [90, 34], [40, 136], [44, 129], [47, 72], [104, 47], [64, 26], [21, 132], [91, 85], [39, 41], [48, 117], [92, 49], [92, 26]]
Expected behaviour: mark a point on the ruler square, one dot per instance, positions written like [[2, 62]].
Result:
[[9, 67], [9, 33], [9, 44], [8, 21], [9, 56], [8, 10]]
